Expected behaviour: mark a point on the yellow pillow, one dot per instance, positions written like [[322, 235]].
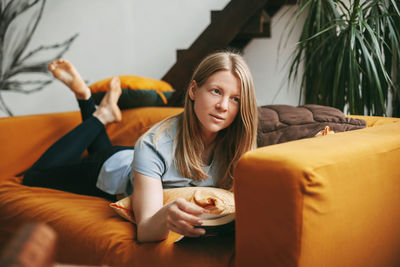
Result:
[[215, 200], [133, 82]]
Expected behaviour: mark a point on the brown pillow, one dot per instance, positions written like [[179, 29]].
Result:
[[283, 123]]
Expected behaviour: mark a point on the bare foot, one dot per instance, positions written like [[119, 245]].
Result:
[[64, 71], [108, 110]]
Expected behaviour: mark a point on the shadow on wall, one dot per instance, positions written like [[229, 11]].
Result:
[[18, 22]]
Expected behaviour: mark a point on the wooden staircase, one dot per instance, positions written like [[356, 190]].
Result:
[[233, 27]]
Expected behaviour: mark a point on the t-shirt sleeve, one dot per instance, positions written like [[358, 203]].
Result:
[[147, 160]]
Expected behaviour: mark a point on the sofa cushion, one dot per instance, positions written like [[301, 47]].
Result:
[[88, 231], [283, 123], [137, 91], [91, 234]]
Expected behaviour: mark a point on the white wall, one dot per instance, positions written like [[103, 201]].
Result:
[[140, 38], [268, 60]]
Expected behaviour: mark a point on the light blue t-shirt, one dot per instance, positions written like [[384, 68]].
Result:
[[151, 159], [114, 175]]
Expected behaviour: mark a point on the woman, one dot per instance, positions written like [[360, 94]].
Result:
[[199, 147]]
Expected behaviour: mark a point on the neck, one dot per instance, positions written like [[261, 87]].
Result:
[[209, 145], [208, 138]]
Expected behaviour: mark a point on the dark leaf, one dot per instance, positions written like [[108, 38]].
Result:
[[18, 38], [38, 59], [25, 87], [12, 9]]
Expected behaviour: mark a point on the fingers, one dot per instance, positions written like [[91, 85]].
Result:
[[181, 210], [182, 216], [190, 207], [183, 228]]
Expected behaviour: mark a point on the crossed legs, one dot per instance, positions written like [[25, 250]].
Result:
[[108, 110], [61, 166]]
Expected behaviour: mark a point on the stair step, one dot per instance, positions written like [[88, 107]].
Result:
[[259, 26], [185, 55], [216, 15], [234, 26], [273, 6], [271, 10], [281, 3], [180, 54]]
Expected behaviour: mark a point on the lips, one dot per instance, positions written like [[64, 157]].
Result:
[[219, 118]]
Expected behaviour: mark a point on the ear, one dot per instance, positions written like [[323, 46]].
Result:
[[192, 90]]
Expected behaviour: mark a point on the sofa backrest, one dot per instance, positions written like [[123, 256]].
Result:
[[24, 138], [375, 120]]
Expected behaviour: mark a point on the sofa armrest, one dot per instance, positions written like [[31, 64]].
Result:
[[324, 201]]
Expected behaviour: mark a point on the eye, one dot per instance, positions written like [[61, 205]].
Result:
[[236, 99], [216, 91]]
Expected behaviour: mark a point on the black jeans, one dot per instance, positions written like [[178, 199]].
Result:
[[62, 166]]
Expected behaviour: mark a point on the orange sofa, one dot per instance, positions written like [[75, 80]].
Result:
[[324, 201]]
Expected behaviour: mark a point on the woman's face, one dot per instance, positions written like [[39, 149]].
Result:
[[216, 102]]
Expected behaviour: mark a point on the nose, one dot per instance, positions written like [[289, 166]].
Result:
[[223, 104]]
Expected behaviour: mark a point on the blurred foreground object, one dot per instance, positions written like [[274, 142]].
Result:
[[33, 245]]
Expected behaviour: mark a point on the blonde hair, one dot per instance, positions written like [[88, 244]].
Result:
[[233, 141]]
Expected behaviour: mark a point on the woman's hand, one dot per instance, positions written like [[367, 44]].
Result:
[[155, 220], [182, 216]]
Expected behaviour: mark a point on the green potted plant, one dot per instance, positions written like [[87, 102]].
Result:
[[351, 54]]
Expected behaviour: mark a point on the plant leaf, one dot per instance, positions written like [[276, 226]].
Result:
[[12, 9], [25, 87], [18, 38], [38, 59], [351, 54]]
